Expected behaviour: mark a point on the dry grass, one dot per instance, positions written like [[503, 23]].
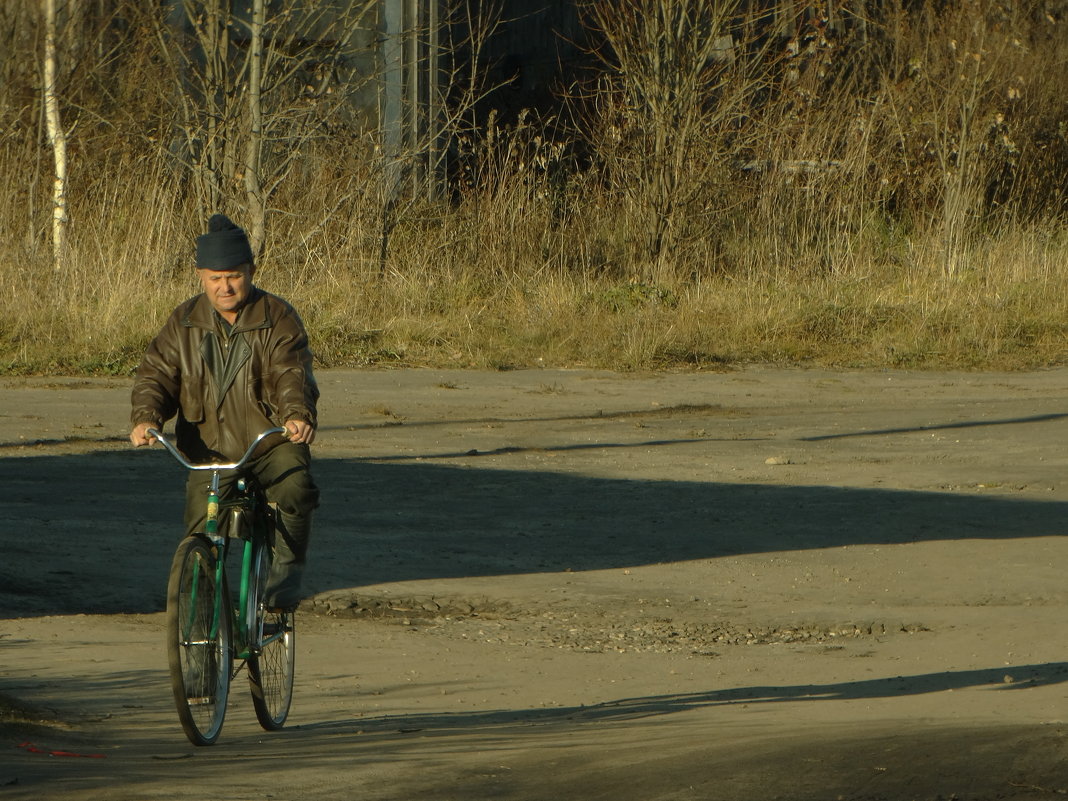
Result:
[[465, 298], [907, 211]]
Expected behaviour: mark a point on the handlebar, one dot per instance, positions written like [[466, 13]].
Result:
[[177, 454]]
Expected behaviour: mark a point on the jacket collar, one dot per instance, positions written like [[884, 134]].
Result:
[[255, 314]]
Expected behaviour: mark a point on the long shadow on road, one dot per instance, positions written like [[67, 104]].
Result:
[[94, 533], [591, 751], [654, 706]]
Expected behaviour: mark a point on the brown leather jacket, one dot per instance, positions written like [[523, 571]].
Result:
[[227, 387]]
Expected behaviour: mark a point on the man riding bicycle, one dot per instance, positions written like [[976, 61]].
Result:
[[231, 362]]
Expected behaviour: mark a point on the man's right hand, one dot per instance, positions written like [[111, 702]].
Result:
[[140, 436]]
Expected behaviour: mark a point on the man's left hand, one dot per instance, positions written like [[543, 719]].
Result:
[[300, 431]]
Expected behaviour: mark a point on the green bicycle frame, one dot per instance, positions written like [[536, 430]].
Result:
[[240, 627], [244, 635]]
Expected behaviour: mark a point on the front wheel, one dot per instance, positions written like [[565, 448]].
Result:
[[198, 640], [272, 661]]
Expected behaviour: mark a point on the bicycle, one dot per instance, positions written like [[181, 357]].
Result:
[[207, 629]]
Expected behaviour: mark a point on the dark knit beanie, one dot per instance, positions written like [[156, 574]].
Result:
[[223, 247]]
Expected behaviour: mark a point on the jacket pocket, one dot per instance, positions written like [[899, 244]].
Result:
[[192, 405]]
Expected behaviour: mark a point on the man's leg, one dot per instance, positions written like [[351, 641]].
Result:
[[196, 500], [285, 475]]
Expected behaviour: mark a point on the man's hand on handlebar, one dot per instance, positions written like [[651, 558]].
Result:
[[300, 431], [140, 436]]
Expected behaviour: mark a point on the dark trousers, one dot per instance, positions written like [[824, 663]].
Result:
[[284, 472]]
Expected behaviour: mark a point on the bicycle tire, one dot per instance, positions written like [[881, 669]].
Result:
[[199, 647], [272, 662]]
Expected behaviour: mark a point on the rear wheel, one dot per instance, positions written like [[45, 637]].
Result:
[[198, 640], [272, 661]]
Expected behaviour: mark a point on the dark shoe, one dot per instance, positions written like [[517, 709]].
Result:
[[283, 586]]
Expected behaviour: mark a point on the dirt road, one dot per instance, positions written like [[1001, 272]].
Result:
[[754, 584]]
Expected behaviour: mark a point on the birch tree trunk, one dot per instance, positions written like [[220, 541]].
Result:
[[57, 137]]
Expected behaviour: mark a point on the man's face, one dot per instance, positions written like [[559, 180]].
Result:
[[227, 289]]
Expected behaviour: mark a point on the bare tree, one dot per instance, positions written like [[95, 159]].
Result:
[[674, 84], [251, 87], [257, 202]]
